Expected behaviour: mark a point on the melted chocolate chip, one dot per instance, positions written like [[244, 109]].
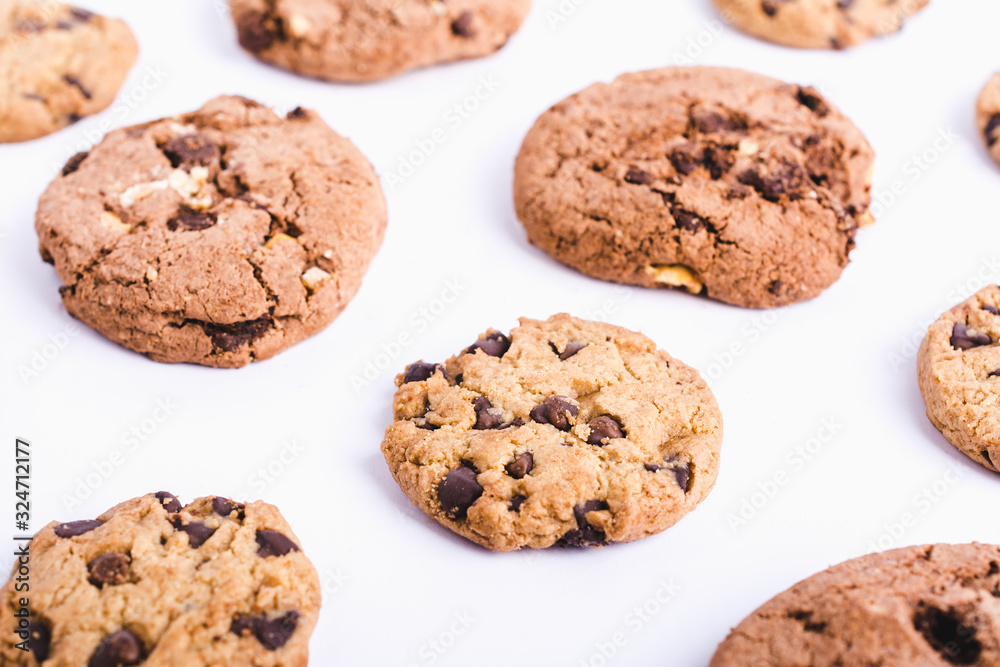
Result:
[[585, 535], [769, 186], [485, 419], [74, 528], [169, 501], [516, 502], [225, 507], [680, 470], [458, 491], [991, 309], [228, 337], [513, 423], [571, 348], [949, 634], [191, 150], [684, 162], [39, 640], [420, 371], [272, 543], [191, 221], [257, 31], [992, 125], [685, 219], [603, 429], [117, 650], [521, 466], [197, 532], [810, 98], [272, 633], [965, 338], [73, 163], [638, 177], [718, 160], [462, 26], [494, 344], [556, 410], [109, 570]]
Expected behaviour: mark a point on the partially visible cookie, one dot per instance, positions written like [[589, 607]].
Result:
[[366, 40], [59, 64], [564, 433], [819, 24], [218, 237], [720, 182], [156, 583], [958, 368], [927, 606], [988, 115]]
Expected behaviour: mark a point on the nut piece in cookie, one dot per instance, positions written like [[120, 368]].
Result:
[[563, 433]]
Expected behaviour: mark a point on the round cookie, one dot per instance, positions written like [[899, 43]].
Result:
[[932, 606], [819, 24], [988, 115], [59, 64], [958, 368], [218, 237], [566, 433], [151, 582], [722, 182], [366, 40]]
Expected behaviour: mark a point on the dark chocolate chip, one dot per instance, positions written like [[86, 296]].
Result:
[[191, 221], [228, 337], [117, 650], [810, 98], [494, 344], [81, 14], [638, 177], [844, 4], [197, 532], [73, 163], [708, 121], [685, 219], [462, 26], [272, 543], [604, 429], [770, 7], [965, 338], [271, 633], [244, 624], [718, 160], [65, 25], [297, 113], [422, 423], [190, 150], [994, 374], [225, 507], [991, 309], [459, 378], [680, 470], [39, 639], [521, 466], [169, 501], [516, 502], [776, 287], [684, 162], [992, 125], [75, 82], [584, 535], [458, 491], [948, 633], [769, 186], [485, 419], [571, 348], [109, 570], [257, 31], [420, 371], [989, 459], [556, 410], [74, 528], [515, 423]]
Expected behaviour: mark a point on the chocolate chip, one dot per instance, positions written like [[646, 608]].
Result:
[[117, 650], [75, 82], [949, 633], [685, 163], [462, 26], [228, 337], [521, 466], [109, 570], [991, 309], [257, 31], [637, 177], [810, 98], [769, 186], [459, 378], [708, 121], [571, 348], [604, 429], [458, 491], [191, 150], [73, 163], [191, 221], [169, 501], [585, 535], [994, 374], [197, 532], [556, 410], [770, 7], [986, 455], [74, 528], [965, 338], [516, 502], [243, 624], [272, 543], [420, 371], [680, 470], [685, 219], [844, 4], [992, 136], [494, 344], [485, 419], [271, 633], [81, 14], [65, 25], [39, 639], [776, 287], [225, 507], [513, 423], [297, 113], [422, 423], [718, 160]]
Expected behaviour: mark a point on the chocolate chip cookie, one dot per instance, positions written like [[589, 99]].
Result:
[[988, 115], [59, 64], [366, 40], [932, 606], [153, 582], [564, 433], [218, 237], [819, 24], [717, 181], [958, 368]]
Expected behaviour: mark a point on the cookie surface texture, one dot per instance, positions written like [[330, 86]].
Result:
[[219, 237], [988, 115], [566, 433], [716, 181]]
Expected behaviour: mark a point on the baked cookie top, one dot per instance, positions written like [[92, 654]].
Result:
[[565, 432], [718, 181], [366, 40], [819, 24], [58, 63], [988, 115], [156, 583], [958, 368], [217, 237], [932, 606]]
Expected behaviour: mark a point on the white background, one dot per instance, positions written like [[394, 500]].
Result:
[[394, 580]]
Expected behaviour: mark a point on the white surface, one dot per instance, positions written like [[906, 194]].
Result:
[[403, 580]]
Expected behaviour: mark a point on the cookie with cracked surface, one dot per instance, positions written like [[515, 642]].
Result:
[[958, 368], [819, 24], [932, 606], [716, 181], [218, 237], [564, 433], [152, 582], [60, 63], [367, 40], [988, 115]]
